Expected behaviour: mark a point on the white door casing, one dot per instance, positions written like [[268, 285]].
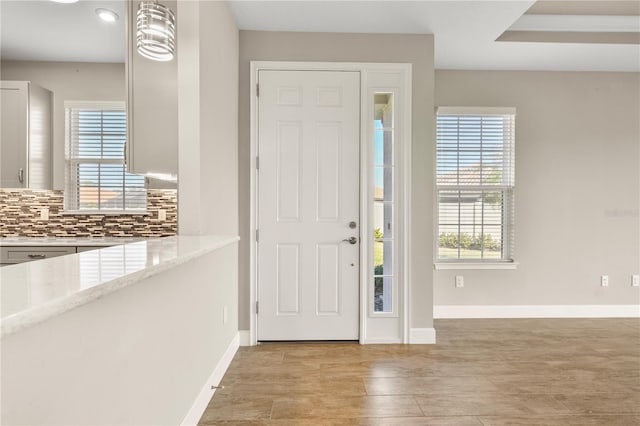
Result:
[[308, 192], [375, 78]]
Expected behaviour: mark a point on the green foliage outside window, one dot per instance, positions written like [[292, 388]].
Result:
[[468, 241]]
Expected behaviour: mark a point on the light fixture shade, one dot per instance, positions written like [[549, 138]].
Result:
[[156, 31]]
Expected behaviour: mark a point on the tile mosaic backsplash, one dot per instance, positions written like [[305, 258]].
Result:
[[20, 216]]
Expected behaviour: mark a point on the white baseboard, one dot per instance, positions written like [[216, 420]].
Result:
[[201, 402], [245, 337], [422, 336], [536, 311], [380, 341]]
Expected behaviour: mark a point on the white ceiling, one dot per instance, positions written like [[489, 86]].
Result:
[[47, 31], [465, 31]]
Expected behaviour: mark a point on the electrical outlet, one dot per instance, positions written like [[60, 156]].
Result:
[[459, 281], [162, 214], [604, 281], [44, 213], [635, 280]]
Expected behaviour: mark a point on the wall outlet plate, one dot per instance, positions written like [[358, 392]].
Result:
[[604, 281], [459, 281], [635, 280]]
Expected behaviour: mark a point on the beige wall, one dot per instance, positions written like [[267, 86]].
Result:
[[333, 47], [208, 119], [69, 81], [577, 187]]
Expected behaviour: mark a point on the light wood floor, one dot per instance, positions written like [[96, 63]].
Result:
[[481, 372]]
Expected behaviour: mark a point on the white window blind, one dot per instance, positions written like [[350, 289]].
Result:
[[475, 179], [96, 178]]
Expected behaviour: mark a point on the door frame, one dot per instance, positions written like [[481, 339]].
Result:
[[403, 145]]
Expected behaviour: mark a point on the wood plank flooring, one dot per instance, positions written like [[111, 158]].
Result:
[[482, 372]]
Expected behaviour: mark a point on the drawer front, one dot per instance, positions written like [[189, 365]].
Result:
[[82, 249], [26, 254]]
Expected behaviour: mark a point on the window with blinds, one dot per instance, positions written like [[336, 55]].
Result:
[[96, 177], [475, 180]]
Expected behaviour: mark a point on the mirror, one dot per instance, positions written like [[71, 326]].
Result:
[[67, 49]]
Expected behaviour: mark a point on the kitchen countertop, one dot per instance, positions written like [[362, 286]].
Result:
[[33, 292], [66, 241]]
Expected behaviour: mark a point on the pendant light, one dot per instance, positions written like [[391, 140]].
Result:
[[156, 31]]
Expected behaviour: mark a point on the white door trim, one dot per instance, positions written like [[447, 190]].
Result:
[[404, 220]]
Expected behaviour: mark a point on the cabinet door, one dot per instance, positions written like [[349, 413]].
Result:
[[152, 141], [40, 142], [14, 130]]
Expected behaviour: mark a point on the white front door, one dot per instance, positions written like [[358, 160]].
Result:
[[308, 203]]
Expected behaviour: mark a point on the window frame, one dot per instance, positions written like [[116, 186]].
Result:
[[71, 204], [506, 261]]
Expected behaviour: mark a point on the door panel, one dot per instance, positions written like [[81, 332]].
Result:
[[328, 171], [327, 279], [289, 149], [288, 279], [308, 192]]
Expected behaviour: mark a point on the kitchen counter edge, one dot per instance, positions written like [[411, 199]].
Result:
[[201, 245]]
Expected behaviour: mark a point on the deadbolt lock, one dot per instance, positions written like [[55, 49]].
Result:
[[352, 225]]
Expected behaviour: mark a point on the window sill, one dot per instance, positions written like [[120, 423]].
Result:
[[476, 265], [104, 212]]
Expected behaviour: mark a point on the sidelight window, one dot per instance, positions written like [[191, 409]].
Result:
[[384, 203]]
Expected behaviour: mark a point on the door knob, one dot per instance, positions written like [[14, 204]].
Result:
[[351, 240]]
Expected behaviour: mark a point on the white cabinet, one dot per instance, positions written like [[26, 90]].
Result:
[[152, 107], [25, 141]]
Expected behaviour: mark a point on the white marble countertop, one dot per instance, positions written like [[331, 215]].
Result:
[[66, 241], [33, 292]]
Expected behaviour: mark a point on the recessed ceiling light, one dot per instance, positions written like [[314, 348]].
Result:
[[107, 15], [65, 1]]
